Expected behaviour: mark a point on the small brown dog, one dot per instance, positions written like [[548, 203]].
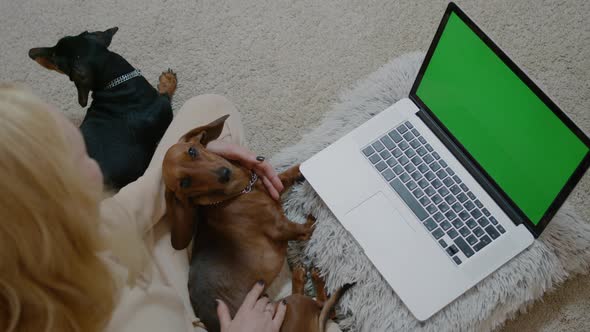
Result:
[[303, 312], [240, 233]]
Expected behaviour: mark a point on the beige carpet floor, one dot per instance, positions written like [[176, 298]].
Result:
[[284, 62]]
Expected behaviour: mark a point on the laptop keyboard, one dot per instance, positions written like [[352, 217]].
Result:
[[450, 212]]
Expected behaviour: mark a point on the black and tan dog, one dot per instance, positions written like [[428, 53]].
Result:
[[127, 117]]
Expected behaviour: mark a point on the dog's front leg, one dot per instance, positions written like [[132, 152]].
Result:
[[290, 177], [286, 230]]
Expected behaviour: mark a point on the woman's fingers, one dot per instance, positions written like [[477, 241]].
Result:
[[277, 321], [223, 315], [270, 309], [253, 295], [271, 189], [261, 303]]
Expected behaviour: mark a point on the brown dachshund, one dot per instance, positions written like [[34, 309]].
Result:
[[303, 312], [240, 233]]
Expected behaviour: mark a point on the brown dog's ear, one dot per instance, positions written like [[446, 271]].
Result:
[[44, 57], [206, 133], [181, 217]]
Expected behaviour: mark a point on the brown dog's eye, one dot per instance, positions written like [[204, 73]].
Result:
[[185, 182], [192, 152]]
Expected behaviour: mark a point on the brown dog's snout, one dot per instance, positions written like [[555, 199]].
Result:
[[224, 174]]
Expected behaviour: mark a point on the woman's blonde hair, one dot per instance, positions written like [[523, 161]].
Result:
[[51, 278]]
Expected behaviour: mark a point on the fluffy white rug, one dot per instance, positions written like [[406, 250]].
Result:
[[562, 251]]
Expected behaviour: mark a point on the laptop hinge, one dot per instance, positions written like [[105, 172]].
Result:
[[471, 168]]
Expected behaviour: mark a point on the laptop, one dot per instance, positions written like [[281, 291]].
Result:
[[446, 186]]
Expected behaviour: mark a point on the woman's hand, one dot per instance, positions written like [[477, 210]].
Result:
[[256, 314], [248, 159]]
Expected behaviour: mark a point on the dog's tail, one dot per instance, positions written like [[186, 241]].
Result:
[[330, 304]]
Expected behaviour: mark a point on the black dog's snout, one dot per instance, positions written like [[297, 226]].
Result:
[[224, 174]]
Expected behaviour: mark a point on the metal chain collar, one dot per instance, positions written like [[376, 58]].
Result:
[[123, 79]]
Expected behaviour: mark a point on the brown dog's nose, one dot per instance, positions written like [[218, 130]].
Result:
[[224, 174]]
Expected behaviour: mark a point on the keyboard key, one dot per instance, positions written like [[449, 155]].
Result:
[[457, 260], [457, 223], [469, 205], [421, 151], [464, 215], [418, 192], [431, 208], [403, 160], [455, 189], [422, 140], [471, 239], [464, 231], [408, 136], [436, 183], [375, 158], [381, 166], [443, 207], [445, 225], [476, 213], [435, 166], [424, 201], [448, 181], [501, 229], [428, 159], [411, 185], [398, 169], [395, 136], [486, 212], [391, 162], [455, 177], [450, 215], [423, 183], [385, 154], [429, 148], [429, 191], [429, 175], [464, 187], [423, 168], [484, 241], [478, 231], [410, 153], [443, 163], [396, 152], [402, 129], [388, 174], [462, 197], [412, 203], [472, 196], [442, 243], [452, 173], [457, 207], [438, 217], [492, 232], [388, 142], [416, 176], [443, 191], [415, 132], [435, 155], [409, 125], [368, 151], [415, 143], [404, 145], [465, 248], [452, 250], [441, 174], [493, 221], [436, 199], [378, 146], [450, 199], [470, 223], [410, 168], [452, 233], [483, 221], [438, 233], [430, 224], [416, 160]]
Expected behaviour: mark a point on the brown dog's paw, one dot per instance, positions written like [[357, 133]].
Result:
[[167, 83], [309, 228]]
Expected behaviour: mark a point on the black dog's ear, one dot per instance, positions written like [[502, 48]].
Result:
[[206, 133], [44, 57], [105, 37]]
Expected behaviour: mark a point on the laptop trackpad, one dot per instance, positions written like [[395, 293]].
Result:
[[380, 230]]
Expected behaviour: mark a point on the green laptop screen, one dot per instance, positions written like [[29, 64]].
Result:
[[509, 131]]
